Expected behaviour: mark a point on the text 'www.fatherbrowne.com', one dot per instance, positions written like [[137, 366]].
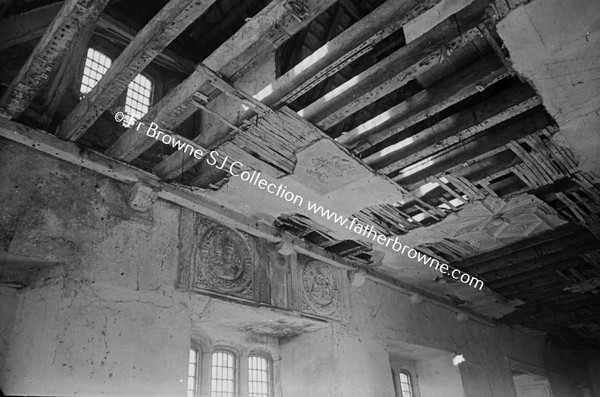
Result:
[[238, 170]]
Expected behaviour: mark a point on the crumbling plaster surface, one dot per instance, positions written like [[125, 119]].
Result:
[[555, 45], [380, 321], [110, 322]]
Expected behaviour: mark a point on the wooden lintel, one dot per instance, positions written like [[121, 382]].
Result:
[[170, 21], [73, 16]]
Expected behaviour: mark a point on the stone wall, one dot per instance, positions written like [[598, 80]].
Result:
[[113, 319]]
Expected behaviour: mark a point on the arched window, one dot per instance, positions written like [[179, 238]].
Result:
[[192, 379], [139, 96], [96, 65], [259, 376], [405, 384], [222, 383]]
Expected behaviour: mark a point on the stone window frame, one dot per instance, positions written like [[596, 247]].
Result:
[[112, 51], [203, 378], [398, 382], [270, 370]]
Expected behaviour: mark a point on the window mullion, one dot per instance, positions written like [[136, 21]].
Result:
[[243, 383], [203, 385]]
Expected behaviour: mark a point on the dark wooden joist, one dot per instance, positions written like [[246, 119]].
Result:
[[559, 260], [513, 129], [393, 72], [554, 290], [427, 104], [357, 40], [501, 255], [264, 32], [64, 76], [520, 260], [454, 129], [27, 26], [563, 301], [329, 59], [562, 320], [113, 30], [5, 6], [527, 289], [208, 38], [417, 57], [32, 24], [360, 137], [162, 29], [70, 21], [462, 135]]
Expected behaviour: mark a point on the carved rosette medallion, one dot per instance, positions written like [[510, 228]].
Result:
[[320, 290], [224, 262]]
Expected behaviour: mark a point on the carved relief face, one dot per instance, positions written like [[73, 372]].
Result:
[[224, 261], [227, 264]]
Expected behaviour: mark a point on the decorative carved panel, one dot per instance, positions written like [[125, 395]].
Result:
[[320, 289], [221, 260]]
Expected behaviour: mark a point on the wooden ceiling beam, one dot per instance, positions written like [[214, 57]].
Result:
[[32, 24], [565, 301], [389, 74], [438, 101], [266, 31], [561, 320], [448, 143], [111, 29], [73, 16], [27, 26], [162, 29], [536, 269], [570, 246], [354, 42], [64, 77], [512, 129], [359, 137], [529, 288], [454, 129], [208, 38], [560, 233]]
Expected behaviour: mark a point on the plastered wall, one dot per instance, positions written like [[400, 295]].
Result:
[[109, 321], [555, 45]]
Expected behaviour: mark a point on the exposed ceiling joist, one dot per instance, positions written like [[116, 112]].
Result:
[[386, 76], [73, 16], [434, 144], [330, 58], [170, 21], [273, 25], [27, 26]]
